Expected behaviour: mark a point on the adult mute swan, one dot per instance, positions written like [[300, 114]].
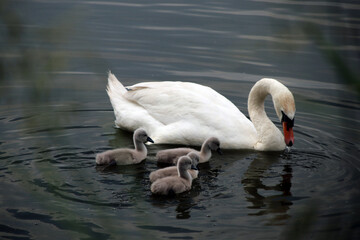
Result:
[[188, 113]]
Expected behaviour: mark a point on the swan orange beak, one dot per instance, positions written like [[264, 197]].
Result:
[[288, 134]]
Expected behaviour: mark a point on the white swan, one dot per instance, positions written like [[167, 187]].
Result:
[[189, 113]]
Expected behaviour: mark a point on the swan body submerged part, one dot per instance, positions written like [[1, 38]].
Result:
[[187, 113], [126, 156]]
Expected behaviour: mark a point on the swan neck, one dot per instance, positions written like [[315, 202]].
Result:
[[140, 146], [256, 101], [268, 134], [183, 172], [205, 151]]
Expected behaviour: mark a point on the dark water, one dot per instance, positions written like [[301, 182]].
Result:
[[55, 115]]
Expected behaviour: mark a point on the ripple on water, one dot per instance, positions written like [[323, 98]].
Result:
[[87, 228], [167, 229], [14, 231], [20, 118], [61, 129], [75, 195], [326, 176]]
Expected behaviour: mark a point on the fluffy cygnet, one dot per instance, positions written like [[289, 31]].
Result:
[[126, 156], [170, 156], [172, 171], [175, 184]]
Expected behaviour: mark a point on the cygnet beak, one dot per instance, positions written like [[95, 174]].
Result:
[[219, 151], [149, 140]]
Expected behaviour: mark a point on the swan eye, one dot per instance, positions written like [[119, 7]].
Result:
[[290, 122]]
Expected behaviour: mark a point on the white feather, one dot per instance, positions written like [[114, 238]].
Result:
[[180, 113]]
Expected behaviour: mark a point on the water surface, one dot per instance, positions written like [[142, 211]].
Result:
[[55, 116]]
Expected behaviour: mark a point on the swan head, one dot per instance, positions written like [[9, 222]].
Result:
[[141, 135], [285, 109], [214, 144]]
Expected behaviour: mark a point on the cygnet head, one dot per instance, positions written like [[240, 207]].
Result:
[[141, 135], [194, 158], [214, 144], [185, 163]]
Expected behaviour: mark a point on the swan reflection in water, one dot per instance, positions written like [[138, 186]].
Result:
[[268, 198]]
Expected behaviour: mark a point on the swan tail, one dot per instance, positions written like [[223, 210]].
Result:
[[116, 91], [114, 87]]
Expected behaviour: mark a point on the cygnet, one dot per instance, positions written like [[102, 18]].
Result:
[[175, 184], [126, 156], [170, 156], [172, 171]]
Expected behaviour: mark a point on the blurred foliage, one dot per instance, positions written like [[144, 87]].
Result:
[[301, 225], [309, 224], [28, 58], [32, 63], [342, 69]]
